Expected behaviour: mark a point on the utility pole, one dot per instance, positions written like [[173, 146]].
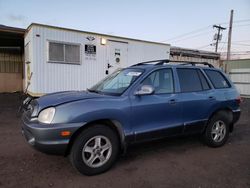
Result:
[[230, 35], [218, 35]]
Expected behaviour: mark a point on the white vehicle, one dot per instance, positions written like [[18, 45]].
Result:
[[59, 59]]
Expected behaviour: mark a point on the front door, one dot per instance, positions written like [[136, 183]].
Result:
[[159, 114], [117, 55]]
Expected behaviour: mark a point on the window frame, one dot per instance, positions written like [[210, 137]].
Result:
[[128, 88], [64, 55], [206, 79], [225, 78], [151, 72]]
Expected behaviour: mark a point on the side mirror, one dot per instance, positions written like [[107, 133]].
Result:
[[145, 90]]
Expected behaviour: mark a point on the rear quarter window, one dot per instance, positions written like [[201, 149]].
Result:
[[218, 79]]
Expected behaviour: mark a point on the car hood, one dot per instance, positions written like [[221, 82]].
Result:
[[58, 98]]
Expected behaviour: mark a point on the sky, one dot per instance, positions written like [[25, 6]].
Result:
[[177, 22]]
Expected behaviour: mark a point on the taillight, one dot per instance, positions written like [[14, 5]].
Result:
[[239, 99]]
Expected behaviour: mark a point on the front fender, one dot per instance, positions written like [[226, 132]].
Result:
[[85, 111]]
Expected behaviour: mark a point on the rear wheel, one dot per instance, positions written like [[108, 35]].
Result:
[[217, 131], [95, 150]]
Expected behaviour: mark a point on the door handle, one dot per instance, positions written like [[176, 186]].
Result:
[[211, 97], [172, 101], [109, 66]]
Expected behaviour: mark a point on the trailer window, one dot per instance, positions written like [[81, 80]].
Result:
[[64, 53]]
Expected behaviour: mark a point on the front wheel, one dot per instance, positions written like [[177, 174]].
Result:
[[95, 150], [217, 131]]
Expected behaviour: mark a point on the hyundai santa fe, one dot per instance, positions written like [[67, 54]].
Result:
[[146, 101]]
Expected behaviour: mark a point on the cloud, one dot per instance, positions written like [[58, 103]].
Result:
[[19, 19]]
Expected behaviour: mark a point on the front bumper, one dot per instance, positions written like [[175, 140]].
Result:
[[47, 137]]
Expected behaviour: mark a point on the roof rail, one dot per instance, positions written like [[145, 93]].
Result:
[[165, 61], [153, 61], [192, 63]]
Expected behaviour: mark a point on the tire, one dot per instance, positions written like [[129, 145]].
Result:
[[217, 131], [95, 150]]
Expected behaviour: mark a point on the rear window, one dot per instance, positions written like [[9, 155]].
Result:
[[218, 80], [189, 80]]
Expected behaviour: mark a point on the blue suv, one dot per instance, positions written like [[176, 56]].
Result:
[[147, 101]]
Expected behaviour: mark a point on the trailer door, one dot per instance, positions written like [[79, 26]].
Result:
[[117, 55]]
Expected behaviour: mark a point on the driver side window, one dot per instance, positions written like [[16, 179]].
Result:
[[161, 80]]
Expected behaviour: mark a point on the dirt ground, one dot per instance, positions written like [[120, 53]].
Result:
[[177, 162]]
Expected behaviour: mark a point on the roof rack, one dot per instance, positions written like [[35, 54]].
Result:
[[166, 61], [153, 61]]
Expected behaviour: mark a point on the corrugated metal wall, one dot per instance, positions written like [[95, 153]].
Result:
[[239, 72], [10, 61], [10, 70], [51, 77]]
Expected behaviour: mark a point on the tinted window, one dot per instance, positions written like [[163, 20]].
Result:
[[217, 79], [161, 80], [204, 82], [189, 80]]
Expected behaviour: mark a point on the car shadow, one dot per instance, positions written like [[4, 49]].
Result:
[[174, 145]]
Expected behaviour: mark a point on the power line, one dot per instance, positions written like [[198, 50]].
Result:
[[235, 43], [236, 21], [201, 47], [239, 44], [241, 25], [204, 28], [205, 33], [191, 32], [235, 51], [223, 45], [240, 54], [241, 41]]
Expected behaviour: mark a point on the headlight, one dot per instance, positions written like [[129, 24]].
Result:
[[47, 115]]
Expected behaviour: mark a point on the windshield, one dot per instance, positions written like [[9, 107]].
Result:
[[118, 82]]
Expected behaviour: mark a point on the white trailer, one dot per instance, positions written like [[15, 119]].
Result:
[[60, 59]]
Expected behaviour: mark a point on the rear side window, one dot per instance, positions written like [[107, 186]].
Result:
[[189, 80], [217, 79]]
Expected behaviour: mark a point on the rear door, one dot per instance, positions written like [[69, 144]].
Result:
[[196, 98], [159, 114]]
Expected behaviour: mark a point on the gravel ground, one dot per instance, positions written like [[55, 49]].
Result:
[[177, 162]]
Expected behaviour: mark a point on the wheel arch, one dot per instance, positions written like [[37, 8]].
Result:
[[226, 110], [115, 125]]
